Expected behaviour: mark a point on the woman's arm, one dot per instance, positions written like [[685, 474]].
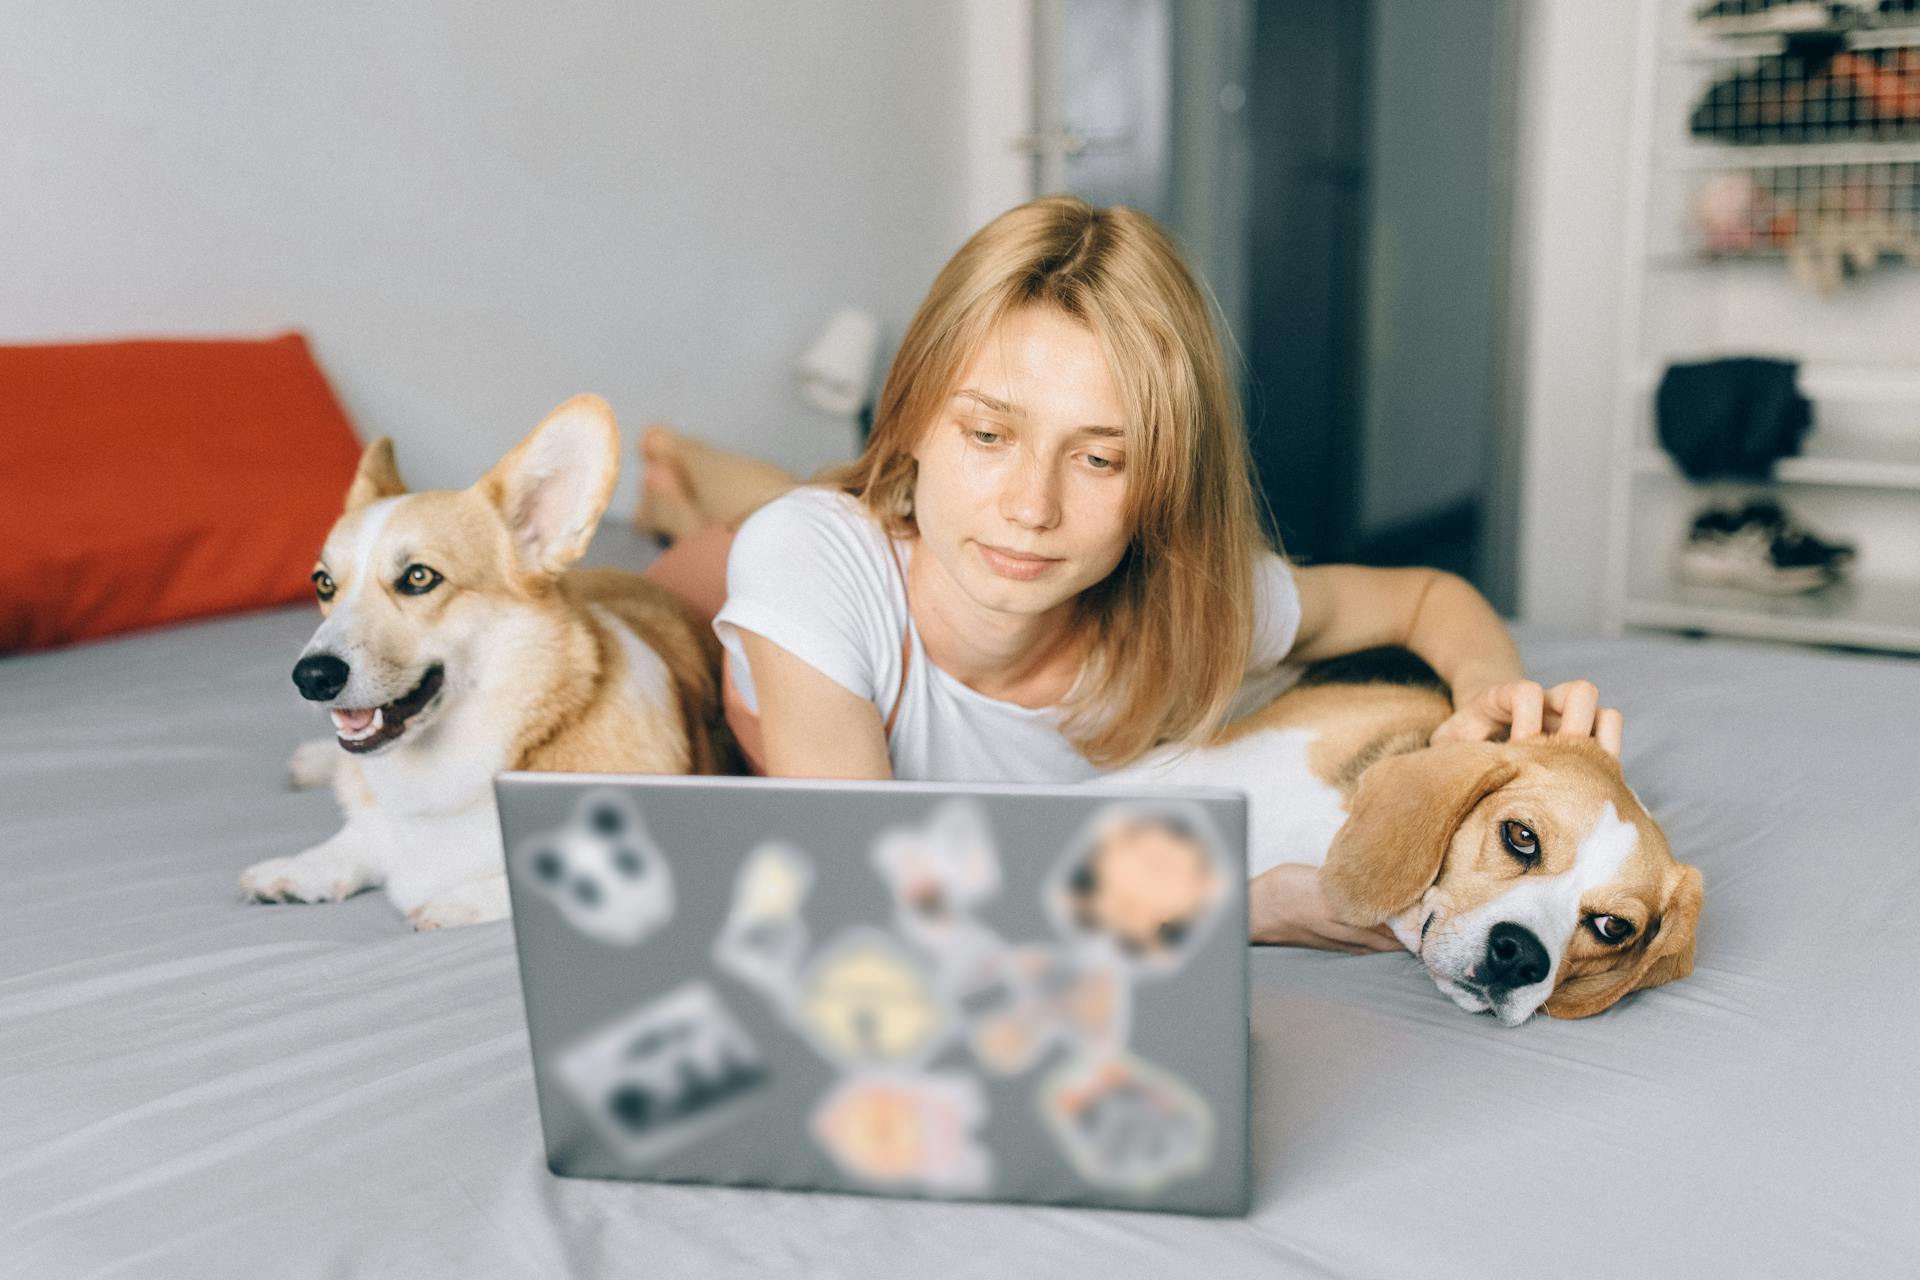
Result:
[[1286, 908], [810, 725], [1442, 618]]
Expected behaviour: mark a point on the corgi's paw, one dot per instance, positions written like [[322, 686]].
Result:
[[321, 874], [475, 902], [312, 764]]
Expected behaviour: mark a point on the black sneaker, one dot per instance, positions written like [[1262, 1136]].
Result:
[[1774, 518], [1759, 547]]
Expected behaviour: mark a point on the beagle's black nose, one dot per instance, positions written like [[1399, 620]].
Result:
[[320, 676], [1515, 957]]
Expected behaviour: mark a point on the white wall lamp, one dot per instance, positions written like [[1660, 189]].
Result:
[[835, 373]]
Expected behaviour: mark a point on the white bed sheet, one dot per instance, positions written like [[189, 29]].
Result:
[[192, 1086]]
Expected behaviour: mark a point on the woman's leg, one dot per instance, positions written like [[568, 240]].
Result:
[[698, 495], [695, 569], [689, 484]]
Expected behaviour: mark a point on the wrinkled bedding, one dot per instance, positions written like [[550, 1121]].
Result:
[[193, 1086]]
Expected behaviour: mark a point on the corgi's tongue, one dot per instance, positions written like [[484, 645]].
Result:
[[352, 721]]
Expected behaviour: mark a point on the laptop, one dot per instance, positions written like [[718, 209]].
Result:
[[1014, 993]]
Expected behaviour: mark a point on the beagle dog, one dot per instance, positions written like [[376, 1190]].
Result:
[[1523, 875]]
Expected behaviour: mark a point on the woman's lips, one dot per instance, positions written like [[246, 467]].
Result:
[[1014, 564]]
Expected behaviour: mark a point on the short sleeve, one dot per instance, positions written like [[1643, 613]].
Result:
[[1276, 611], [811, 572]]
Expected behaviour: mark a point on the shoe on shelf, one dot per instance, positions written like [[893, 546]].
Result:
[[1775, 17], [1897, 13], [1759, 547]]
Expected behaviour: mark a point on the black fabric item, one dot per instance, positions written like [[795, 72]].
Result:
[[1731, 418]]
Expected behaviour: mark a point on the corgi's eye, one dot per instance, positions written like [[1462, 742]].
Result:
[[418, 580], [323, 584], [1610, 929], [1521, 842]]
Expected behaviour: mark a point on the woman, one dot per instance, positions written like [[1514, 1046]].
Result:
[[1047, 560]]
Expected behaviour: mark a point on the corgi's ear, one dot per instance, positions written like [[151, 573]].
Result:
[[555, 485], [377, 477], [1399, 824]]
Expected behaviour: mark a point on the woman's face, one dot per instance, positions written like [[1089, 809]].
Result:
[[1022, 485]]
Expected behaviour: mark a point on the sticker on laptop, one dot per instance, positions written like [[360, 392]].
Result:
[[764, 938], [866, 1001], [1143, 881], [1125, 1124], [663, 1075], [1043, 996], [890, 1130], [938, 874], [601, 870]]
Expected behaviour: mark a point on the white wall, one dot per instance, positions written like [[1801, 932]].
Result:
[[476, 210], [1572, 133]]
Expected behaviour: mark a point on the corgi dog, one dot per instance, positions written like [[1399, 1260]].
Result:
[[456, 642]]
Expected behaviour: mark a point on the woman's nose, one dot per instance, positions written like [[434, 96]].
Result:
[[1030, 497]]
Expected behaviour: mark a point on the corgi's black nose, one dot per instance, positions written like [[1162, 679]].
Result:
[[320, 676], [1515, 957]]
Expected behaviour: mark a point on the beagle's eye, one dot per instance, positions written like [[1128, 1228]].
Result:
[[1610, 929], [323, 584], [417, 580], [1521, 842]]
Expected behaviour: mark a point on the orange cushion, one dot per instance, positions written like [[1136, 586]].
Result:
[[146, 482]]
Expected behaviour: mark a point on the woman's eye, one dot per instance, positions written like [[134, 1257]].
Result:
[[980, 435], [1100, 462], [418, 580], [322, 584], [1610, 929], [1521, 842]]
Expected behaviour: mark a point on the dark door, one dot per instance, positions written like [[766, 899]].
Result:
[[1307, 96]]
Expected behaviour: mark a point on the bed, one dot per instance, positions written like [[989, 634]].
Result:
[[192, 1086]]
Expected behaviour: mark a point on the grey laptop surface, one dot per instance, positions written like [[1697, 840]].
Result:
[[966, 992]]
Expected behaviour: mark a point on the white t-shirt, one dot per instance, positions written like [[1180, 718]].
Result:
[[810, 571]]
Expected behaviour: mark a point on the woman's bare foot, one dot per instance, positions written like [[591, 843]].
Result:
[[667, 508], [701, 485]]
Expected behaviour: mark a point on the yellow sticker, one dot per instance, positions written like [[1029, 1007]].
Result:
[[866, 1001]]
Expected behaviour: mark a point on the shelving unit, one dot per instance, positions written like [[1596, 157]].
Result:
[[1858, 475]]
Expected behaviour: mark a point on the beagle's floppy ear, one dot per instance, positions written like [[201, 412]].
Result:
[[555, 485], [1400, 822], [1666, 955], [377, 477]]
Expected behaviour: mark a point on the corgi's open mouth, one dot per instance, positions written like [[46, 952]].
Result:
[[362, 729]]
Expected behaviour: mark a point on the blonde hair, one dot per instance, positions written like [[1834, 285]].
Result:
[[1172, 625]]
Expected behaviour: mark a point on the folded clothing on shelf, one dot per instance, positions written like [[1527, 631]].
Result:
[[1731, 418], [1817, 91], [1832, 221], [1760, 547]]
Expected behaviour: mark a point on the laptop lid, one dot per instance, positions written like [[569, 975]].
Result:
[[1032, 994]]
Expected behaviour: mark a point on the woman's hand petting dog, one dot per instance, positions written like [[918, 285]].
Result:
[[1286, 908], [1519, 709]]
